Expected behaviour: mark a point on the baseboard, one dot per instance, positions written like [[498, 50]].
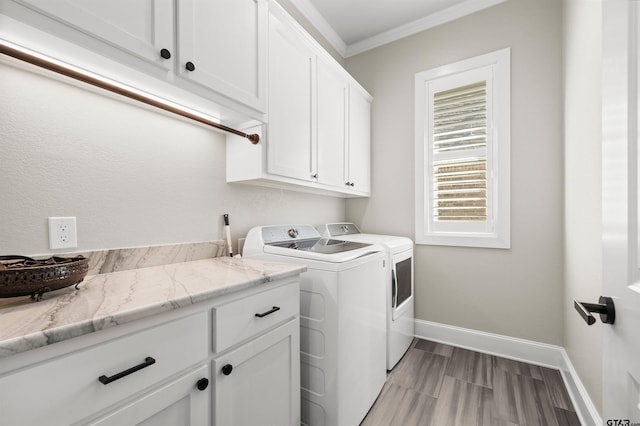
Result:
[[518, 349]]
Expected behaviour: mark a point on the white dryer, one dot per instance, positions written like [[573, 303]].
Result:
[[342, 320], [398, 282]]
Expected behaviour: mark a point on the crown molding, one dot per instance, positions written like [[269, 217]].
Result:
[[309, 11], [446, 15]]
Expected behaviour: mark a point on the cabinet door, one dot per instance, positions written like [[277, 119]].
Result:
[[359, 153], [259, 383], [291, 125], [142, 28], [225, 40], [184, 401], [332, 104]]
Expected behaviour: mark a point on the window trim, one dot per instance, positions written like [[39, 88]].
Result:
[[499, 98]]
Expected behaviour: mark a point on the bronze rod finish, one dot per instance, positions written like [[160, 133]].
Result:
[[51, 66]]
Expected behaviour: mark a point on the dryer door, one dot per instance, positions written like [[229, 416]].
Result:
[[401, 283]]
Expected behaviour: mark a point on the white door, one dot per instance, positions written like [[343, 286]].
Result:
[[620, 209]]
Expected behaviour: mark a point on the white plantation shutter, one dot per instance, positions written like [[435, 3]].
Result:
[[462, 153], [460, 190]]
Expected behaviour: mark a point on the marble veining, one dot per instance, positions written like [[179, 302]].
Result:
[[108, 299], [114, 260]]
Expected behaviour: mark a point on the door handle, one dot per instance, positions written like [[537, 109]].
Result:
[[604, 307], [394, 288]]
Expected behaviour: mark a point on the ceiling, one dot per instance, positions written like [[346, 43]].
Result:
[[354, 26]]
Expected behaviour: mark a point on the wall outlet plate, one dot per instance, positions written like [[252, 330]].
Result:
[[62, 232]]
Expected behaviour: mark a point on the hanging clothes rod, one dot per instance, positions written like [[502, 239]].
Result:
[[114, 88]]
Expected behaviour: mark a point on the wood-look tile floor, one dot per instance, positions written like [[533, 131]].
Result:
[[441, 385]]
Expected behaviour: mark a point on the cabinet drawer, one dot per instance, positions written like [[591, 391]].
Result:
[[235, 321], [68, 389]]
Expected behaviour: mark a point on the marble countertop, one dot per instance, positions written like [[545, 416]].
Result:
[[105, 300]]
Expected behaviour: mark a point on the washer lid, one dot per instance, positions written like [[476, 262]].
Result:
[[304, 241], [321, 245], [321, 250], [350, 232]]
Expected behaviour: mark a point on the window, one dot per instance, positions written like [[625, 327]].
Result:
[[462, 153]]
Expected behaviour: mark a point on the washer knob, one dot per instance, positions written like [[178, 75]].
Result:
[[293, 232]]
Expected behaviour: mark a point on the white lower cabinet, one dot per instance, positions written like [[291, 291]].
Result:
[[183, 402], [83, 383], [168, 372], [259, 382]]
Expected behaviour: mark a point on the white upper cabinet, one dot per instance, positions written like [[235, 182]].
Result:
[[318, 134], [209, 55], [225, 41], [143, 28], [244, 62], [359, 148], [344, 134], [332, 126], [291, 103]]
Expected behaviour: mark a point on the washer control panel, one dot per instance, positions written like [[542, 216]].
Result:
[[279, 233], [338, 229]]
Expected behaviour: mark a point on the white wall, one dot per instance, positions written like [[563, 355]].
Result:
[[583, 212], [131, 175], [517, 292]]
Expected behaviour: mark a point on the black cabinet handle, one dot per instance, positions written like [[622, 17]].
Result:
[[604, 307], [227, 369], [269, 312], [165, 54], [190, 66], [106, 380], [202, 384]]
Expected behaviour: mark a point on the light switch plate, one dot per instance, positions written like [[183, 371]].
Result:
[[62, 232]]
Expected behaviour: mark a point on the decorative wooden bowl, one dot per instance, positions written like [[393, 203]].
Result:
[[24, 276]]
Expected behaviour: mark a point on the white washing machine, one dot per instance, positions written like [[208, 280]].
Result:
[[399, 284], [342, 320]]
